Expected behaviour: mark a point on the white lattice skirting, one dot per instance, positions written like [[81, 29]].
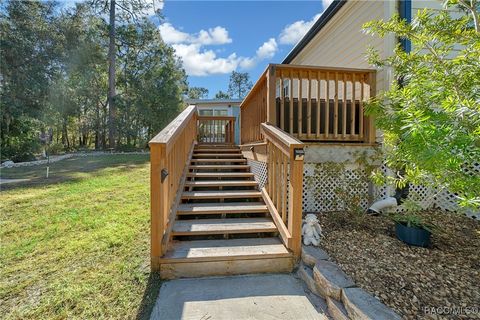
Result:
[[334, 187]]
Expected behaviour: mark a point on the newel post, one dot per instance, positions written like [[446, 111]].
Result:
[[295, 189], [271, 95], [157, 201]]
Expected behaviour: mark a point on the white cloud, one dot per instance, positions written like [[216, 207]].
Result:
[[267, 50], [212, 36], [217, 35], [171, 35], [292, 33], [198, 61], [326, 3]]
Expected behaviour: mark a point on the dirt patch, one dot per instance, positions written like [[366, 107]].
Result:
[[410, 280]]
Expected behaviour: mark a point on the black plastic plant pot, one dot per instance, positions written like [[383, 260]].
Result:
[[413, 236]]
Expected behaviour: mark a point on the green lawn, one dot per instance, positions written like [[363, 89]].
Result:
[[77, 245]]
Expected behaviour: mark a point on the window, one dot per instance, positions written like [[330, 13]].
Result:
[[213, 112]]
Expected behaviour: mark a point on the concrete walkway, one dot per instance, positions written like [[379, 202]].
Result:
[[278, 296]]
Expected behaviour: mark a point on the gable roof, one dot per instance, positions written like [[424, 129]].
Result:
[[317, 26]]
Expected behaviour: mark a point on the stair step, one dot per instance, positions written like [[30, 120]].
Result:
[[219, 208], [222, 183], [219, 155], [219, 167], [222, 194], [224, 250], [208, 150], [220, 160], [219, 147], [222, 226], [220, 174]]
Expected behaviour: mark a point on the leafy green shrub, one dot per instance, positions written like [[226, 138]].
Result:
[[430, 116]]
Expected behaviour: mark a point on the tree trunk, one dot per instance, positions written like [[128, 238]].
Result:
[[65, 140], [97, 127], [111, 78]]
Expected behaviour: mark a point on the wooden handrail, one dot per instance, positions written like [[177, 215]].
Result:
[[311, 103], [170, 153], [283, 192]]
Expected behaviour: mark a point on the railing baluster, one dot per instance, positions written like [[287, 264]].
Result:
[[335, 107], [284, 187], [352, 108], [319, 76], [309, 106], [360, 111], [327, 107], [299, 105], [282, 102], [290, 98], [344, 107]]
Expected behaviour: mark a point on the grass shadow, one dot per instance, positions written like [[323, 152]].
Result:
[[150, 296], [69, 169]]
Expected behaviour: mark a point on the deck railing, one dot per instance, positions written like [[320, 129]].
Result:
[[216, 129], [170, 152], [311, 103], [283, 191]]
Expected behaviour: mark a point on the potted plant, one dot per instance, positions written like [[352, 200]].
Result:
[[412, 229]]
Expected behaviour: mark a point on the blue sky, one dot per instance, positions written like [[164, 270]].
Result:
[[215, 37]]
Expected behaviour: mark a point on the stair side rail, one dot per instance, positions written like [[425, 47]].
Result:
[[284, 187], [170, 153]]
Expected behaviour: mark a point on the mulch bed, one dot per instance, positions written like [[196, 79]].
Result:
[[408, 279]]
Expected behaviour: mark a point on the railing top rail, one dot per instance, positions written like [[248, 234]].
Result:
[[171, 131], [321, 68], [215, 118], [281, 139]]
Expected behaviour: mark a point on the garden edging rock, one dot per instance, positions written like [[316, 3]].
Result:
[[344, 299], [331, 279], [361, 305]]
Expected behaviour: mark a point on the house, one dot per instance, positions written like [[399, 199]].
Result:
[[219, 206]]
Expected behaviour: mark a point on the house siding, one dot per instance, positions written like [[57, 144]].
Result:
[[342, 42]]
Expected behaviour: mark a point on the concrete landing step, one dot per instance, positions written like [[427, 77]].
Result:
[[222, 226], [219, 208], [259, 297]]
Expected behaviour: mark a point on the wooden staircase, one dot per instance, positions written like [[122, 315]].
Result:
[[222, 224]]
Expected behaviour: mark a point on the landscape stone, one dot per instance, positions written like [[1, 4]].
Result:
[[311, 254], [360, 305], [330, 279], [306, 274], [336, 310]]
